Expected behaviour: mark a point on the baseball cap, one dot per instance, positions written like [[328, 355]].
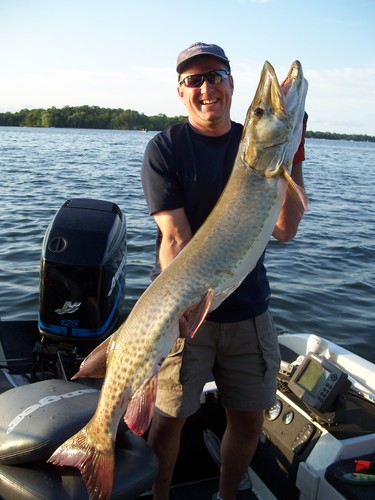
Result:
[[200, 49]]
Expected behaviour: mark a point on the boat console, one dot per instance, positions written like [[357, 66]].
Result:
[[320, 384], [323, 421]]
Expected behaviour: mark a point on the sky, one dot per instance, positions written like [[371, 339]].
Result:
[[122, 53]]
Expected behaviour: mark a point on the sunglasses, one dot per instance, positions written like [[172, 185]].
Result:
[[215, 77]]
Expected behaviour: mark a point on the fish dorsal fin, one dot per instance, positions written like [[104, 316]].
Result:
[[94, 365], [141, 407], [197, 314], [298, 194]]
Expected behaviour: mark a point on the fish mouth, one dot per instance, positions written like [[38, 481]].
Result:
[[291, 77], [274, 120], [269, 97]]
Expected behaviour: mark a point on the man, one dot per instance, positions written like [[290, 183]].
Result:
[[184, 171]]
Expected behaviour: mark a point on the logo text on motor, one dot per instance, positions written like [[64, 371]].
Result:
[[68, 308], [117, 275]]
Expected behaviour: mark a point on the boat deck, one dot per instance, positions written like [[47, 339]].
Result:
[[196, 473]]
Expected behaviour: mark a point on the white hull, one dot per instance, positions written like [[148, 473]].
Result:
[[311, 482]]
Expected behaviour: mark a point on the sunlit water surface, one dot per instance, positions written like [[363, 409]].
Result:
[[323, 282]]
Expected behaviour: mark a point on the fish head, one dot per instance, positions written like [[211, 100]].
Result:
[[273, 126]]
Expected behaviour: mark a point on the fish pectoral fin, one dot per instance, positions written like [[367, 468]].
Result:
[[196, 315], [141, 407], [297, 193], [94, 365]]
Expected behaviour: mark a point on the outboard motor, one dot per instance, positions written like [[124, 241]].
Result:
[[83, 267], [82, 286]]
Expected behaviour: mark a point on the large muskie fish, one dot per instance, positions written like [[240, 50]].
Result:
[[213, 264]]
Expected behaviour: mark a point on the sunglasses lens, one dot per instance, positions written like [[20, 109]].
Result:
[[193, 80], [214, 77]]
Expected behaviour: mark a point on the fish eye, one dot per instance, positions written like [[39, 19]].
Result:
[[258, 112]]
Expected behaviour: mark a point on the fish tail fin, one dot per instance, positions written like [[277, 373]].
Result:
[[297, 193], [96, 466]]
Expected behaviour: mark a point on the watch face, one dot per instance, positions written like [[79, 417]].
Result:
[[274, 411]]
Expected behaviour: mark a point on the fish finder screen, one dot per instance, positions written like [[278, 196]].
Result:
[[313, 378], [318, 382]]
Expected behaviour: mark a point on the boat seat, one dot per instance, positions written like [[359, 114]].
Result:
[[35, 419]]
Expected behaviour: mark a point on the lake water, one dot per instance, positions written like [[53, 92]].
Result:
[[323, 282]]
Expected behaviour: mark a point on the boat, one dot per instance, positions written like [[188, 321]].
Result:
[[317, 442]]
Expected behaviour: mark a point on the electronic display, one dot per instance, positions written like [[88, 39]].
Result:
[[313, 378], [318, 382]]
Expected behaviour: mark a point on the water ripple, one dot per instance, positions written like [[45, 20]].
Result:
[[322, 282]]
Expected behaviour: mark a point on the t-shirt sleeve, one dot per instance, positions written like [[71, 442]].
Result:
[[159, 178], [300, 154]]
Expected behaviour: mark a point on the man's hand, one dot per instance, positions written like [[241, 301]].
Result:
[[184, 327]]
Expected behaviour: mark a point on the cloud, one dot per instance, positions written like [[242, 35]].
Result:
[[144, 90], [339, 100], [342, 99]]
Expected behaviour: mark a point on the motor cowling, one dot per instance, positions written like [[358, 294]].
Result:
[[83, 269]]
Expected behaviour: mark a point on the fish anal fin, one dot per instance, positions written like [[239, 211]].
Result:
[[96, 467], [141, 407], [196, 315], [94, 365], [297, 193]]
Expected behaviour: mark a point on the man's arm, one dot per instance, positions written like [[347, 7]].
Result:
[[176, 233]]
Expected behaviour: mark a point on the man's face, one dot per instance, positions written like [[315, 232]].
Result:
[[208, 106]]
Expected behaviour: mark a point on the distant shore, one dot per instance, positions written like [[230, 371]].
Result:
[[339, 137], [95, 117]]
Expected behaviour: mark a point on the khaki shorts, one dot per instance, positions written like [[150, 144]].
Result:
[[243, 358]]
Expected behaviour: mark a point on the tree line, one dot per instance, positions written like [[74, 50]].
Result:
[[119, 119], [339, 137], [92, 117]]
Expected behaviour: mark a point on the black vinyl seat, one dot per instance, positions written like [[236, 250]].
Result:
[[35, 419]]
